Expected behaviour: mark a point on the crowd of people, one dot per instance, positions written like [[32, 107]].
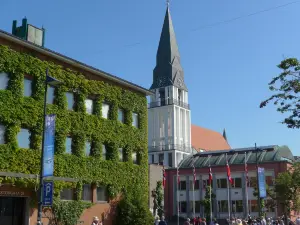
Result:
[[235, 221]]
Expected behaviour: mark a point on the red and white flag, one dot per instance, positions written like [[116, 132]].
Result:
[[229, 174], [178, 177], [210, 177], [246, 170], [164, 177], [194, 174]]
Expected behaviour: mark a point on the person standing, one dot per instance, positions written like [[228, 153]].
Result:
[[96, 221], [187, 222], [162, 221], [156, 222], [298, 220]]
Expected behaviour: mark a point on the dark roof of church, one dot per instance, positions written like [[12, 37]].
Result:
[[272, 153], [168, 70]]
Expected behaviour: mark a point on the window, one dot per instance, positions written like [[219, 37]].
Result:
[[87, 148], [89, 106], [253, 205], [121, 115], [101, 194], [3, 80], [27, 87], [2, 134], [269, 180], [70, 100], [197, 206], [24, 138], [121, 158], [182, 185], [135, 120], [134, 158], [161, 159], [182, 207], [252, 182], [270, 205], [67, 194], [87, 192], [50, 94], [153, 161], [196, 184], [69, 145], [223, 206], [104, 155], [222, 183], [237, 206], [237, 183], [105, 110], [206, 183], [170, 159], [178, 157]]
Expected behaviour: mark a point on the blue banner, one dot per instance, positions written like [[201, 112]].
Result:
[[48, 159], [48, 193], [262, 183]]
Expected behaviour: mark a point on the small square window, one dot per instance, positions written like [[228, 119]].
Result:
[[104, 155], [2, 134], [89, 104], [87, 192], [87, 148], [3, 80], [135, 120], [121, 154], [105, 110], [182, 185], [27, 87], [69, 145], [24, 138], [70, 100], [134, 158], [67, 194], [121, 115], [50, 94], [101, 194], [237, 183], [161, 159]]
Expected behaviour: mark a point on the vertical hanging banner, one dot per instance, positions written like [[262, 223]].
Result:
[[48, 158], [262, 183]]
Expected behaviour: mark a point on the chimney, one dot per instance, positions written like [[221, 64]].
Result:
[[29, 32]]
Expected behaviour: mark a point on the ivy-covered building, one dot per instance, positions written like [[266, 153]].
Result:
[[100, 138]]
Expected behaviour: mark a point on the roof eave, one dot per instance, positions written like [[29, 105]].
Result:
[[74, 63]]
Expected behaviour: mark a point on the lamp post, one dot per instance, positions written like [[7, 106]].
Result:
[[53, 82]]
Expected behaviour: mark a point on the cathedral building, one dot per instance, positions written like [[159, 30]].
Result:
[[171, 136]]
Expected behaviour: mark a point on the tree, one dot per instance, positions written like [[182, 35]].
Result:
[[158, 196], [287, 88], [206, 202], [287, 188]]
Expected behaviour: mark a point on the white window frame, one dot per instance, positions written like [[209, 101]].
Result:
[[30, 87], [135, 120], [122, 113], [22, 129], [73, 100], [105, 116], [87, 103]]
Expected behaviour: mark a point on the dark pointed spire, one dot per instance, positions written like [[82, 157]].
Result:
[[168, 70], [224, 135]]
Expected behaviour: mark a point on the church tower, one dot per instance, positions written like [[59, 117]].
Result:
[[169, 117]]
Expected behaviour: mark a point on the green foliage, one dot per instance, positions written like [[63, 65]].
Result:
[[132, 209], [18, 111], [67, 212], [287, 188], [286, 97], [209, 195], [159, 198]]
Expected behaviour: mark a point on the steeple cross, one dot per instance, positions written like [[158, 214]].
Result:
[[168, 2]]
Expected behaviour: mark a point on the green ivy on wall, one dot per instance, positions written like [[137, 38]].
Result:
[[17, 111]]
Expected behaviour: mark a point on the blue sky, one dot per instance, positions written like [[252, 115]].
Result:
[[227, 66]]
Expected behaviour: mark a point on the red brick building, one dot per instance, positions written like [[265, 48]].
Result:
[[274, 159]]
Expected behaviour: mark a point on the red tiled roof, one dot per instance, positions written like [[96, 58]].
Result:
[[208, 140]]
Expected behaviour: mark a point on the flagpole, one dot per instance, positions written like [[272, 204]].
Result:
[[246, 187], [177, 196], [194, 174], [228, 199], [210, 192]]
